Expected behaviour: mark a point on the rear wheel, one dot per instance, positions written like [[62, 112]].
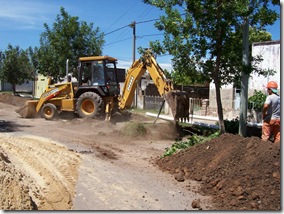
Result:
[[49, 111], [89, 105]]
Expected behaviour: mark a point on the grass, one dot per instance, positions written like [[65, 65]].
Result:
[[143, 111], [6, 92], [134, 129]]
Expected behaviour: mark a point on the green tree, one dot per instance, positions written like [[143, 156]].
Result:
[[181, 78], [69, 39], [204, 34], [33, 55], [233, 55], [15, 67]]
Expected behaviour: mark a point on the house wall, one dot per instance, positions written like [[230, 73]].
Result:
[[27, 87], [270, 52], [4, 86], [227, 97]]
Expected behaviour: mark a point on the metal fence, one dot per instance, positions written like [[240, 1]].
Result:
[[196, 106], [200, 107], [153, 103]]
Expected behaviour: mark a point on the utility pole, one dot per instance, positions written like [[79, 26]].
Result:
[[133, 25], [244, 81]]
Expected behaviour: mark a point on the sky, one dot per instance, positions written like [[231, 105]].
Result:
[[22, 22]]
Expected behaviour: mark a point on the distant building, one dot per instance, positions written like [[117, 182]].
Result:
[[4, 86], [26, 87]]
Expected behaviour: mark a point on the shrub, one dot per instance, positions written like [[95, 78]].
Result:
[[256, 101], [231, 126], [193, 140]]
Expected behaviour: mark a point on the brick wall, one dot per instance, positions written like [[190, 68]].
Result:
[[151, 90], [201, 92]]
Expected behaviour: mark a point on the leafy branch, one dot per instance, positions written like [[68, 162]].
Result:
[[193, 140]]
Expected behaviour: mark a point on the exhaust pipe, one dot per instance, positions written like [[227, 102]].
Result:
[[67, 69]]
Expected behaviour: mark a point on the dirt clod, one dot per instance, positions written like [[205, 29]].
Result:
[[196, 204]]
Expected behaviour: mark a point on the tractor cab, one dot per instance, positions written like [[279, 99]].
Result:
[[99, 73]]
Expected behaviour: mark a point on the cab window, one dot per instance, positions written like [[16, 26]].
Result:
[[98, 77]]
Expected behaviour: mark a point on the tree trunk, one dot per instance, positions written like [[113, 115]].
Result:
[[14, 88], [219, 105], [219, 46]]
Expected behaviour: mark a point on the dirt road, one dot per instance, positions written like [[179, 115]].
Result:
[[88, 165]]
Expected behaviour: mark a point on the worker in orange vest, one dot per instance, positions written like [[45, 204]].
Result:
[[271, 113]]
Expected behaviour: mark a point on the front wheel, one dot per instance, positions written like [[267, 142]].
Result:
[[89, 105], [49, 111]]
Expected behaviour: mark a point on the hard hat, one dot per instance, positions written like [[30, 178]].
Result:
[[273, 86]]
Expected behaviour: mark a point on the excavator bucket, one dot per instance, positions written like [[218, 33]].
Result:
[[179, 103], [28, 110]]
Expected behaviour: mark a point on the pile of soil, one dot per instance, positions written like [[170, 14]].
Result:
[[239, 173], [14, 188], [36, 173], [13, 100]]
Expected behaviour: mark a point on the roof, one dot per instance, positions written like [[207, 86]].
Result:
[[97, 58], [274, 42]]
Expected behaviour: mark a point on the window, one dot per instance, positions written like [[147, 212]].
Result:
[[98, 77]]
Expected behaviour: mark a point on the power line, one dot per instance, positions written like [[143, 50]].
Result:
[[138, 37], [116, 30], [122, 15], [151, 20], [118, 41], [141, 22], [145, 12], [148, 35]]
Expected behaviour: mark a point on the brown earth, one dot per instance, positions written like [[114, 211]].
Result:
[[240, 173], [96, 165]]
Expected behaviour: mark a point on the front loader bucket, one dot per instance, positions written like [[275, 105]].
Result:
[[179, 103], [28, 110]]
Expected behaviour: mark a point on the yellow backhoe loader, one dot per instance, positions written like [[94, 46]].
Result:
[[97, 92]]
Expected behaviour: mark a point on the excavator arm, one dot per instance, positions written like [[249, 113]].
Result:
[[177, 100], [133, 76]]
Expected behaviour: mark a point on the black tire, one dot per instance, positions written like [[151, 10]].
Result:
[[49, 111], [89, 105]]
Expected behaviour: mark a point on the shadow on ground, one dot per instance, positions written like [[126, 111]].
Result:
[[8, 126]]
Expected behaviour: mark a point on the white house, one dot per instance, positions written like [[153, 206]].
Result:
[[270, 52]]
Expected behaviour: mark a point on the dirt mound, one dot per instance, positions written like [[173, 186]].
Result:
[[13, 100], [21, 102], [36, 173], [14, 190], [239, 173]]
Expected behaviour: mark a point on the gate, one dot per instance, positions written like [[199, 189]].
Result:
[[153, 103]]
